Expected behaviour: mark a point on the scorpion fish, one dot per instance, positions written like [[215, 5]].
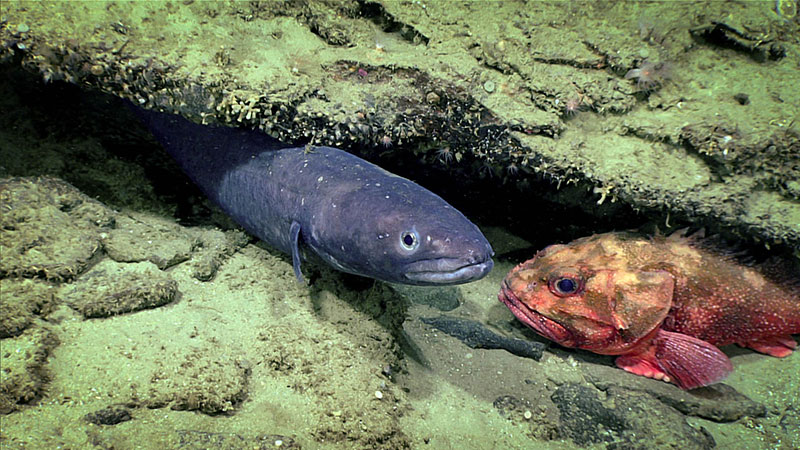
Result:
[[662, 305]]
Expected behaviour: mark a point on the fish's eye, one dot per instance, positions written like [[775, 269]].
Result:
[[564, 286], [409, 240]]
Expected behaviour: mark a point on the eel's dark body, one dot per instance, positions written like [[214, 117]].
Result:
[[356, 216]]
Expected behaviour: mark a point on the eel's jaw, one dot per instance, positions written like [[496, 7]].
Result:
[[444, 271]]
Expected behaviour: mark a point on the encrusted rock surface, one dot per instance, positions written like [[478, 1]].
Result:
[[684, 112], [24, 368], [50, 229], [110, 288]]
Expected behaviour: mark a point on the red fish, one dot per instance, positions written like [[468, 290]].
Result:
[[663, 305]]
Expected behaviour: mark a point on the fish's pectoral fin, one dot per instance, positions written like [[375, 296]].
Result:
[[294, 235], [689, 361], [684, 360], [642, 364]]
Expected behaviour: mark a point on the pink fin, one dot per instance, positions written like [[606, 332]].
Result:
[[778, 346], [642, 364], [690, 362], [684, 360]]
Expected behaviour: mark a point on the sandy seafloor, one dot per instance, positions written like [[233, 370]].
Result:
[[141, 319]]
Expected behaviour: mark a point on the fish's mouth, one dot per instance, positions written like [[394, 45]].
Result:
[[546, 327], [444, 271]]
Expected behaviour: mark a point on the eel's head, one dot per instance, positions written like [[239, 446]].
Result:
[[411, 237], [427, 254]]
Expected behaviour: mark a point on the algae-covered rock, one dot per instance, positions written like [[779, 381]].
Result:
[[49, 229], [139, 237], [195, 382], [111, 288], [214, 247], [24, 367], [142, 237], [22, 301], [682, 112]]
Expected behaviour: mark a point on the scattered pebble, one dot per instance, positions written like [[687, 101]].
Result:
[[378, 395]]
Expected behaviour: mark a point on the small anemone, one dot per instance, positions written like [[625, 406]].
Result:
[[573, 106], [444, 155], [650, 75], [512, 169]]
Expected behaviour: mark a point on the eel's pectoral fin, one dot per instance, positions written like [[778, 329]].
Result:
[[294, 234]]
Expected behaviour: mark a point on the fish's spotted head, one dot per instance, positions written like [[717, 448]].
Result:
[[585, 295]]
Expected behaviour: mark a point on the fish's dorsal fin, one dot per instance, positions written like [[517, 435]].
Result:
[[294, 235]]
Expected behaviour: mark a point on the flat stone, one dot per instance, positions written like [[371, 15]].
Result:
[[22, 301], [141, 237], [201, 440], [214, 248], [111, 288], [48, 229], [193, 381]]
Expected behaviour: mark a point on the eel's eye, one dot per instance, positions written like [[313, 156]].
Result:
[[409, 240], [564, 286]]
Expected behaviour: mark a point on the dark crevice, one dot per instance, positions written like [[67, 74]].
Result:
[[722, 35]]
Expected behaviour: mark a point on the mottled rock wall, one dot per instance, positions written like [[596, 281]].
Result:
[[679, 110]]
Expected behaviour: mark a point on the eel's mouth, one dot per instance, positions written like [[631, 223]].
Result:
[[444, 271]]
